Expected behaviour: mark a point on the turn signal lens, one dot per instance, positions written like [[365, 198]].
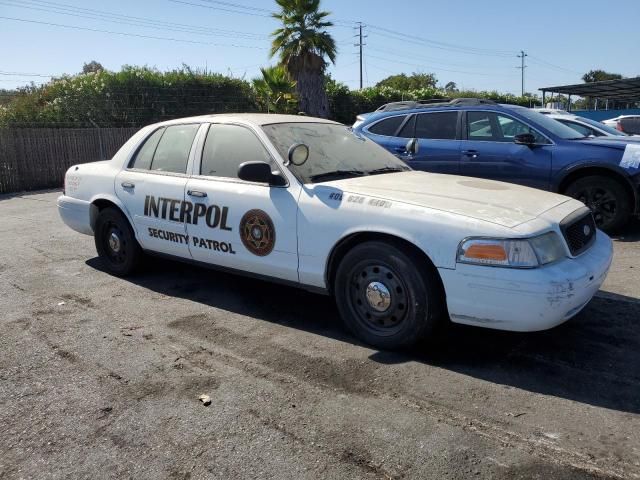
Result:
[[486, 252]]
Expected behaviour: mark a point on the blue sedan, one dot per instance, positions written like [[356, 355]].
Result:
[[479, 138]]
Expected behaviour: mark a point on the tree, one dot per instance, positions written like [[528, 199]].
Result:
[[303, 43], [451, 87], [275, 90], [599, 75], [92, 67], [415, 81]]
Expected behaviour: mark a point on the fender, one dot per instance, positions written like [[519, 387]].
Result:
[[560, 176], [116, 201], [377, 230]]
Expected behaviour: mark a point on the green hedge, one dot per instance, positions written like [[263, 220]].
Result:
[[138, 96]]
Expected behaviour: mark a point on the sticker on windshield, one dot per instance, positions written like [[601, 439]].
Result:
[[631, 157]]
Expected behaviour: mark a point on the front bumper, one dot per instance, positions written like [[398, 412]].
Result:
[[526, 300], [75, 213]]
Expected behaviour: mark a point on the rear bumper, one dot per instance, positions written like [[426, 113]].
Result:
[[526, 300], [75, 213]]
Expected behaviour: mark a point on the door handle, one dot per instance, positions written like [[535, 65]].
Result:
[[128, 185], [470, 153], [196, 193]]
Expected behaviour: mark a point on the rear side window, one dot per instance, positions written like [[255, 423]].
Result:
[[409, 129], [481, 126], [145, 153], [437, 125], [172, 152], [228, 146], [388, 126]]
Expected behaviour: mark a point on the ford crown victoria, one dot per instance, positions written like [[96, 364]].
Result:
[[311, 203]]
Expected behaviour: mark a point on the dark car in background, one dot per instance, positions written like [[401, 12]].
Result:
[[479, 138]]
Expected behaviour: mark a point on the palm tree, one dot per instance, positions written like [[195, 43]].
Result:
[[275, 90], [303, 43]]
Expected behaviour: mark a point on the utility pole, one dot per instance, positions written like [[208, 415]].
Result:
[[522, 67], [360, 44]]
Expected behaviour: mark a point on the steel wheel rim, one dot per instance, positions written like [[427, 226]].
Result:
[[115, 244], [378, 298], [602, 203]]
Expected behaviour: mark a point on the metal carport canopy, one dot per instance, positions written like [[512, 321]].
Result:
[[626, 89]]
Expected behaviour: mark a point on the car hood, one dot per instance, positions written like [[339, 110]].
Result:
[[618, 141], [611, 142], [500, 203]]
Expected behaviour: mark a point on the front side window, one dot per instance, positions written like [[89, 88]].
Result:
[[145, 153], [227, 147], [388, 126], [437, 125], [509, 127], [492, 127], [172, 152]]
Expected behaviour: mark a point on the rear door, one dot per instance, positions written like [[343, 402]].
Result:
[[438, 136], [238, 224], [489, 150], [152, 189]]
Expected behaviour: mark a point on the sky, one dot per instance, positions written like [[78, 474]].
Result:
[[474, 44]]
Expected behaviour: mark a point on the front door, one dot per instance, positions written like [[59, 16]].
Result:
[[489, 151], [237, 224], [152, 189]]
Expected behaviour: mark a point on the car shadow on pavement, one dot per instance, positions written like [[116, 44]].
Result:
[[594, 358]]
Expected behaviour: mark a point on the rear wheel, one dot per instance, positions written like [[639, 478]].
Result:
[[116, 243], [607, 198], [385, 296]]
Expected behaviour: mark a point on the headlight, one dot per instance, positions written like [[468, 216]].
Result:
[[512, 253]]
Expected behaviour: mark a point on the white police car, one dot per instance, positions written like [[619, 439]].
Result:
[[308, 202]]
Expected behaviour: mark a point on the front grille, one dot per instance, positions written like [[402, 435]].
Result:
[[579, 230]]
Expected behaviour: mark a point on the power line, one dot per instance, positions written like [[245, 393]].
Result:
[[220, 8], [111, 32], [415, 64], [65, 9]]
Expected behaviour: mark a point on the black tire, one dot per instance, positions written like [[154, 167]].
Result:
[[607, 198], [116, 243], [413, 308]]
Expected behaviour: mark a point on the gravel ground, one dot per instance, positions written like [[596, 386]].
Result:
[[100, 377]]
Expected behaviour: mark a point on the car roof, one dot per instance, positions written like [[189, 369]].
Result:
[[437, 107], [258, 119]]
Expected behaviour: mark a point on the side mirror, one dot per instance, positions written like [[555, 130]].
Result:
[[298, 154], [525, 139], [412, 146], [260, 172]]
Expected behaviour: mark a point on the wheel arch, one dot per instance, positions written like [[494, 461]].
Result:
[[574, 174], [99, 203], [348, 242]]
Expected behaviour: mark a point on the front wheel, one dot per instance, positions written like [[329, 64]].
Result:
[[387, 297], [116, 243], [607, 199]]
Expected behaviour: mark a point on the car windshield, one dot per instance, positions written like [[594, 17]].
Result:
[[603, 127], [555, 127], [335, 151]]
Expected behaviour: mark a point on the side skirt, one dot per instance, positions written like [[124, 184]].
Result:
[[266, 278]]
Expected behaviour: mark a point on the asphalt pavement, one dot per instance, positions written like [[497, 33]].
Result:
[[100, 377]]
